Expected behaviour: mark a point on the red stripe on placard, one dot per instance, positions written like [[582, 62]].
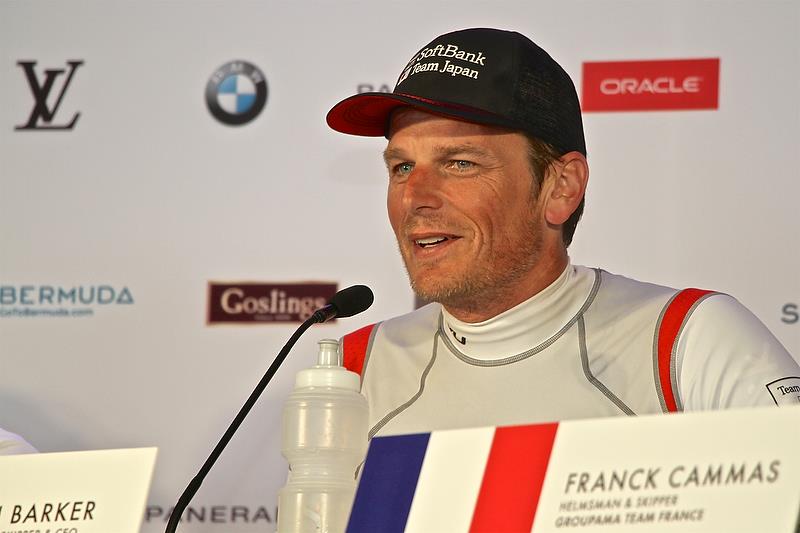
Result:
[[513, 479], [354, 348], [668, 334]]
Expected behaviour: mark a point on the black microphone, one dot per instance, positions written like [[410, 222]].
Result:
[[347, 302]]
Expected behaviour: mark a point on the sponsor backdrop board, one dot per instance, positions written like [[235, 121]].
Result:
[[171, 199]]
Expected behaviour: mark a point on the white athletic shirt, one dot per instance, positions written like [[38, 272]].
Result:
[[592, 344], [11, 444]]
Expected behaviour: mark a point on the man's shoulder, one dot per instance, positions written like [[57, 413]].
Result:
[[405, 332], [624, 289], [614, 295], [621, 297], [419, 321], [629, 286]]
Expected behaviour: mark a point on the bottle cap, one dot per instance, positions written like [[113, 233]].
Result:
[[328, 371]]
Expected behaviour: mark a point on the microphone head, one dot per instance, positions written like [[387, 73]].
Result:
[[352, 300]]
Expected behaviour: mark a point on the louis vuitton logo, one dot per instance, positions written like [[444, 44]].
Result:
[[42, 114]]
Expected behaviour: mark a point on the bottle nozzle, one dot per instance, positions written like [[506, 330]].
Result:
[[329, 353]]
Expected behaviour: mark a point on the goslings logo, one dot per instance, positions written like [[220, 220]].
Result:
[[236, 93], [651, 85], [250, 302], [45, 108], [33, 301]]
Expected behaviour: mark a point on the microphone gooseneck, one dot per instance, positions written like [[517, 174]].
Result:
[[345, 303]]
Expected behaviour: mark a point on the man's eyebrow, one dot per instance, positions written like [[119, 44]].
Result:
[[467, 149], [392, 153], [443, 151]]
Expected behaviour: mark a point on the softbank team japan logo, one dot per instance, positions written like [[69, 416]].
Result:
[[677, 84], [236, 93], [446, 59], [266, 303], [36, 301], [48, 90]]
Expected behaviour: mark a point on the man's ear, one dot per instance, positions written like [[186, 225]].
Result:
[[569, 177]]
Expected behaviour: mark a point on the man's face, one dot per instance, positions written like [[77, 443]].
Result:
[[463, 209]]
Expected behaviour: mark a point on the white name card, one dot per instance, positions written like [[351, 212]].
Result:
[[101, 491], [710, 472], [727, 471]]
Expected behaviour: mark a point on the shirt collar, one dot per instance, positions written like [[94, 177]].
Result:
[[525, 325]]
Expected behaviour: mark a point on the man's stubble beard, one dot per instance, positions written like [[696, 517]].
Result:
[[482, 283]]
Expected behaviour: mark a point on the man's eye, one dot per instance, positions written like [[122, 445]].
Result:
[[460, 164], [403, 168]]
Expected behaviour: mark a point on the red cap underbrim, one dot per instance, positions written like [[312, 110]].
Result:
[[368, 114], [365, 114]]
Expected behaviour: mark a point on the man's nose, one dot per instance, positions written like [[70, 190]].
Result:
[[423, 189]]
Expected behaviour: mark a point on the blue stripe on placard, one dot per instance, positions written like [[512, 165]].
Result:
[[387, 484]]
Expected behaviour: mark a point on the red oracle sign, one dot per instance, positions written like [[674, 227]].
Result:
[[651, 85]]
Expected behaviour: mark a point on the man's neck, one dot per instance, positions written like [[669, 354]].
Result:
[[500, 299]]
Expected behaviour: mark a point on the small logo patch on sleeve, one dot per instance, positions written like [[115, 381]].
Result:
[[785, 391]]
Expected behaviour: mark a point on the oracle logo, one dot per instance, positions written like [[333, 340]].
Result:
[[675, 84], [689, 84]]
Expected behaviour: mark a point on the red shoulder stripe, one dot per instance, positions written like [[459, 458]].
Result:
[[671, 322], [354, 348]]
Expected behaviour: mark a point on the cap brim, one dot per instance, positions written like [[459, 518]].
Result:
[[368, 114]]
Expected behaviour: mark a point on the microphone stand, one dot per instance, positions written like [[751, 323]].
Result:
[[194, 485]]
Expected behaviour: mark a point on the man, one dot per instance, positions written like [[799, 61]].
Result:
[[487, 173]]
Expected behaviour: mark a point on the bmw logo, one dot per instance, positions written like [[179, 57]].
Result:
[[236, 93]]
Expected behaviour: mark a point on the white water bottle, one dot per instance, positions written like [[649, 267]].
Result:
[[324, 439]]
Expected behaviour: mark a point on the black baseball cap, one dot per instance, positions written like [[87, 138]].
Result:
[[480, 75]]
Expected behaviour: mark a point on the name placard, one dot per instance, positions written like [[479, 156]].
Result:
[[731, 471], [75, 492]]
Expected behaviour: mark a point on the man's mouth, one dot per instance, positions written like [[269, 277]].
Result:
[[428, 242]]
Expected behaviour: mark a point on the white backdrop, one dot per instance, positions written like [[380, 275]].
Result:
[[148, 194]]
